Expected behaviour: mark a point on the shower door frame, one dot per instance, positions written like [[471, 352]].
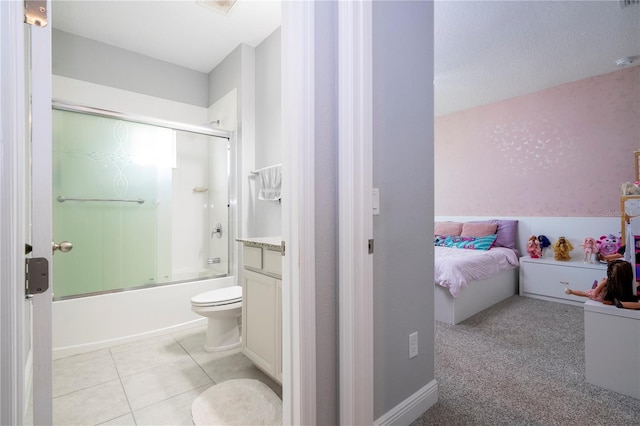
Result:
[[74, 107]]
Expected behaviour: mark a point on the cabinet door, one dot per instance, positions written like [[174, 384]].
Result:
[[259, 306], [279, 330]]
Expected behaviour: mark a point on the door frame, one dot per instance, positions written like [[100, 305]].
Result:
[[12, 223], [298, 214], [355, 164], [355, 281]]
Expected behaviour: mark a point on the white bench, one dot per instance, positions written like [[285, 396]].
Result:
[[612, 348]]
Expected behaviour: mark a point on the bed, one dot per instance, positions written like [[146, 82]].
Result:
[[473, 272]]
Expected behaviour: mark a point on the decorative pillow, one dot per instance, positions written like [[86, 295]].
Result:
[[447, 228], [507, 233], [484, 242], [440, 240], [478, 229]]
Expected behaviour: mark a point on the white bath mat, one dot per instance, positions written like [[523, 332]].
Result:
[[237, 402]]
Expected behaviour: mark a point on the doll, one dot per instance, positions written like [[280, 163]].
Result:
[[562, 249], [544, 243], [590, 249], [533, 247]]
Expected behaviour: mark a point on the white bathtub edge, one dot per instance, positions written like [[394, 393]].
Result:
[[91, 323]]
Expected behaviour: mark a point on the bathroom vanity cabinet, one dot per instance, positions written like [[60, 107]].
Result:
[[262, 304]]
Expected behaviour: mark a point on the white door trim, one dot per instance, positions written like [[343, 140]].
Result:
[[12, 161], [298, 214], [355, 212]]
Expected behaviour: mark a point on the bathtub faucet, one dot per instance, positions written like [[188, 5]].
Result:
[[213, 260], [217, 231]]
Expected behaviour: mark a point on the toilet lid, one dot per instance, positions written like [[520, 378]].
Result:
[[221, 296]]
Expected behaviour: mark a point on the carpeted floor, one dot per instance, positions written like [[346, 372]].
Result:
[[521, 362]]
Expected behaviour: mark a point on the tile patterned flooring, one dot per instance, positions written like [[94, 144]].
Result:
[[148, 382]]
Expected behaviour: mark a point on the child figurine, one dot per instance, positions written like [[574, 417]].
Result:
[[533, 247], [615, 287], [544, 243], [562, 249], [590, 249]]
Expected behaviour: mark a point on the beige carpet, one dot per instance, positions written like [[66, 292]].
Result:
[[237, 402]]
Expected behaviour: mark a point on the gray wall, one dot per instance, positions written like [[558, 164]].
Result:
[[236, 71], [403, 170], [85, 59], [225, 76], [268, 148]]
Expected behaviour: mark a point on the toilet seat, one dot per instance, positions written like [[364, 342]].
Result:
[[220, 297]]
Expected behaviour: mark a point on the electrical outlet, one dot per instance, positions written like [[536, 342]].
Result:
[[413, 344]]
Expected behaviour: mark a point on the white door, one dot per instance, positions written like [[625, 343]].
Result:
[[38, 49], [25, 110]]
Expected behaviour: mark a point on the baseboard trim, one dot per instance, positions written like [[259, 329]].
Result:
[[411, 408]]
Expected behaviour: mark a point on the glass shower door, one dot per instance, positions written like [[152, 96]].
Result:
[[143, 204], [111, 197]]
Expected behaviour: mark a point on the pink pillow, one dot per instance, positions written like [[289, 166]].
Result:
[[447, 228], [478, 229]]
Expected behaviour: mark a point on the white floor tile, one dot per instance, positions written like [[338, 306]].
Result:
[[126, 420], [175, 411], [163, 382], [82, 371], [159, 378], [192, 340], [132, 358], [91, 406]]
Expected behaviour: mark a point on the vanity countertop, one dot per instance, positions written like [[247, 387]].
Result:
[[266, 242]]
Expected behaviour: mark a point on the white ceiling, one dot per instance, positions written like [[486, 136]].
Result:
[[485, 51], [180, 31]]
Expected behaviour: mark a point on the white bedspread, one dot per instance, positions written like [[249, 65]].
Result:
[[455, 268]]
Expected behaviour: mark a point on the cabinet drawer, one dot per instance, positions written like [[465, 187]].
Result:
[[252, 257], [552, 280], [272, 262]]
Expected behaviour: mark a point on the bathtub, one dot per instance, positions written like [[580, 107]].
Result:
[[89, 323]]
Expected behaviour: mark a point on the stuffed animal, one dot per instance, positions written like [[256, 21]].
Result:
[[544, 243], [629, 188], [608, 244], [562, 249], [590, 249], [533, 247]]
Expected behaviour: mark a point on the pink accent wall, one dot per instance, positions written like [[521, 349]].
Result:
[[560, 152]]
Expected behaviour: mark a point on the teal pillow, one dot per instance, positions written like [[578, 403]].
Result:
[[484, 242]]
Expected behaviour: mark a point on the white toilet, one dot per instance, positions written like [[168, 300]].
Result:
[[223, 308]]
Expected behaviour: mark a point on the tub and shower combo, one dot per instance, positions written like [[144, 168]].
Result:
[[147, 206]]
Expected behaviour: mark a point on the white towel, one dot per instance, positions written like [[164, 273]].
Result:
[[270, 183]]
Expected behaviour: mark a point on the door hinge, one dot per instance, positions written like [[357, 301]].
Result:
[[36, 275], [283, 247], [35, 13], [371, 246]]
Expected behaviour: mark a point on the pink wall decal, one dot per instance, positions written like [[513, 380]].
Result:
[[560, 152]]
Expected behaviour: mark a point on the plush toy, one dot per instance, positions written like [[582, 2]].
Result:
[[590, 249], [629, 188], [533, 247], [544, 243], [608, 244], [562, 249]]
